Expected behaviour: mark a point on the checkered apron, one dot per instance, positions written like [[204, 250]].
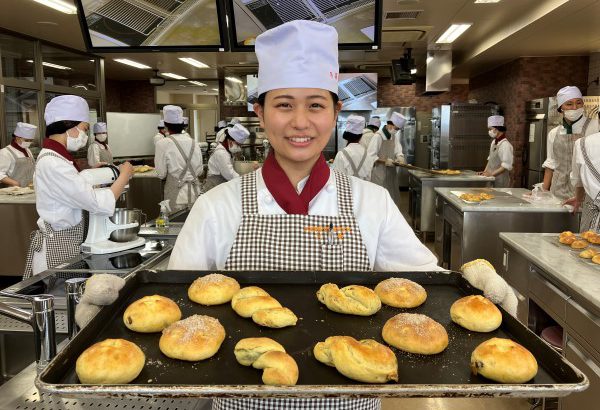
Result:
[[590, 217], [23, 171], [174, 185], [297, 242], [60, 245], [562, 151]]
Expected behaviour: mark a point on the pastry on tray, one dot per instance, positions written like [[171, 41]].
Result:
[[111, 361], [213, 289], [596, 259], [279, 368], [476, 313], [400, 293], [588, 253], [151, 314], [567, 240], [504, 361], [350, 300], [264, 309], [579, 244], [415, 333], [195, 338]]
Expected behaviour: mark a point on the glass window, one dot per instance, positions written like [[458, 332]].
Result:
[[21, 105], [17, 58], [68, 69]]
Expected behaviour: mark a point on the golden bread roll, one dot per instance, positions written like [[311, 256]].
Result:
[[350, 300], [276, 318], [567, 240], [248, 306], [401, 293], [151, 314], [213, 289], [588, 253], [566, 233], [247, 350], [504, 361], [248, 292], [476, 313], [111, 361], [415, 333], [587, 234], [197, 337], [579, 244], [279, 368], [596, 259], [365, 361], [594, 239]]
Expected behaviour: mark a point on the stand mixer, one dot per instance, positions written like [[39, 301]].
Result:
[[100, 226]]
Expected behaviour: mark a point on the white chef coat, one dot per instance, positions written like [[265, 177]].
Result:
[[93, 155], [367, 135], [356, 152], [504, 150], [375, 146], [221, 163], [210, 229], [168, 159], [581, 176], [577, 129], [158, 137], [7, 161]]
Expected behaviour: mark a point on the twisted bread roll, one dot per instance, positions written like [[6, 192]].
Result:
[[213, 289], [265, 310], [280, 368], [276, 317], [365, 361], [350, 300]]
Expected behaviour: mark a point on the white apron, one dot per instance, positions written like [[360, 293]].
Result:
[[385, 176], [590, 217], [494, 162], [174, 185], [24, 167], [271, 242], [105, 154], [355, 168]]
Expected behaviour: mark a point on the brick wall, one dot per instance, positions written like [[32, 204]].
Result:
[[390, 95], [521, 80], [130, 96]]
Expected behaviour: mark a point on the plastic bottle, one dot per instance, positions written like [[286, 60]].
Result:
[[162, 222]]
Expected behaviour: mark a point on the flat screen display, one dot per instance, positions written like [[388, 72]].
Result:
[[125, 25], [357, 22]]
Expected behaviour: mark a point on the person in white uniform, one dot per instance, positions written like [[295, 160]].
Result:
[[16, 160], [500, 160], [61, 192], [220, 163], [353, 159], [178, 159], [99, 152], [561, 141], [370, 130], [162, 132]]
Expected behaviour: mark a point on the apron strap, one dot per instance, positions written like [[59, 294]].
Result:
[[344, 194], [187, 159], [249, 200], [352, 164], [585, 125], [11, 150], [588, 161]]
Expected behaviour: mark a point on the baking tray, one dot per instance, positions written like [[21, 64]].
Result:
[[444, 375]]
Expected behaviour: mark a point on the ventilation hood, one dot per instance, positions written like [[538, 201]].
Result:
[[438, 74]]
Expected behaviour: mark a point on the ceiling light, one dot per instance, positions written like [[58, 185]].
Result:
[[235, 80], [453, 32], [194, 62], [59, 5], [429, 59], [173, 75], [131, 63], [197, 83], [215, 89], [413, 71], [51, 65], [486, 1]]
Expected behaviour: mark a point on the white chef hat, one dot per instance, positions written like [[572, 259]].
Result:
[[99, 128], [221, 135], [222, 124], [375, 121], [25, 130], [238, 132], [398, 119], [67, 108], [355, 124], [161, 124], [495, 121], [186, 120], [567, 93], [234, 121], [173, 114], [298, 54]]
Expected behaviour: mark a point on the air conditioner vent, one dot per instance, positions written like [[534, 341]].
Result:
[[402, 15]]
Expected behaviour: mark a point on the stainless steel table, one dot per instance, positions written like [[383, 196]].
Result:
[[464, 232]]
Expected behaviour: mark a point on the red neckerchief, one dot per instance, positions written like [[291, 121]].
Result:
[[226, 146], [285, 193], [16, 146], [498, 139], [59, 149]]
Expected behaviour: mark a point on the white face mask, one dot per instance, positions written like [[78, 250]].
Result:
[[235, 148], [573, 115], [101, 137], [25, 144], [76, 143], [493, 133]]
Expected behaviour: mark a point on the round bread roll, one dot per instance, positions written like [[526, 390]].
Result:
[[401, 293], [111, 361], [476, 313], [195, 338], [504, 361], [350, 300], [579, 244], [280, 369], [151, 314], [247, 350], [275, 318], [213, 289], [415, 333]]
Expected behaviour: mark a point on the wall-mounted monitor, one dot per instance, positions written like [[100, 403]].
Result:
[[358, 91], [358, 22], [152, 25]]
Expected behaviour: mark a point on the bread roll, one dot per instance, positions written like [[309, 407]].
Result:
[[596, 259], [151, 314], [195, 338], [213, 289], [365, 361], [111, 361], [476, 313], [247, 292], [415, 333], [587, 234], [280, 369], [401, 293], [350, 300], [588, 253], [504, 361], [247, 350], [567, 240], [248, 306], [579, 244], [275, 318]]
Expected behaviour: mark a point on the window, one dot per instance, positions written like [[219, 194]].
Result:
[[21, 105], [68, 69], [17, 58]]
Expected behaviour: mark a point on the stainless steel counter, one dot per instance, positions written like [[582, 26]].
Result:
[[421, 193], [464, 232], [18, 218], [145, 192], [151, 231]]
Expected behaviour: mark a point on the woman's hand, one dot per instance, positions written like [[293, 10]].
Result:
[[574, 203], [127, 169]]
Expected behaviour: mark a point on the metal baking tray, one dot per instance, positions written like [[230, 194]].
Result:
[[444, 375]]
